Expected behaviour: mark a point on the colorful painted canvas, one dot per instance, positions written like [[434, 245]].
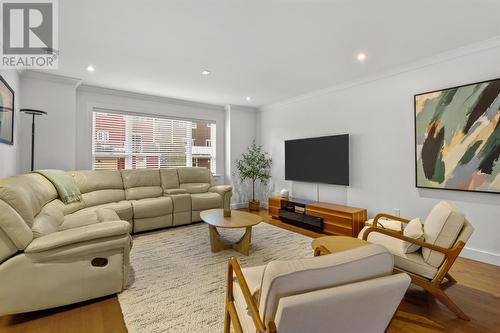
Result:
[[457, 138], [6, 113]]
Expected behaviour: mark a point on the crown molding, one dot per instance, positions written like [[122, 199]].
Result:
[[243, 108], [146, 97], [32, 74], [429, 61]]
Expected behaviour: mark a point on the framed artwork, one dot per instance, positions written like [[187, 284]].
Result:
[[457, 138], [6, 113]]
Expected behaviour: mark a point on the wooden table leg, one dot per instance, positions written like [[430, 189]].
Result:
[[217, 243], [243, 245]]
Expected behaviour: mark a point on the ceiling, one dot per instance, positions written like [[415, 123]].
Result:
[[269, 50]]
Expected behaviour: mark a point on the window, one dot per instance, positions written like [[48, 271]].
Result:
[[126, 141], [102, 136], [208, 142]]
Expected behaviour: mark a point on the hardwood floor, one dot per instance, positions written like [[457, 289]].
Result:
[[477, 293]]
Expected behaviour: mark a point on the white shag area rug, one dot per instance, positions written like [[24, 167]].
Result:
[[177, 284]]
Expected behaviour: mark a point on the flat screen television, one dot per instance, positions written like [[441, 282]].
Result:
[[319, 160]]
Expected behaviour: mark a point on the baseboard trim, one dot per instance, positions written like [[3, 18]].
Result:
[[483, 256], [239, 205]]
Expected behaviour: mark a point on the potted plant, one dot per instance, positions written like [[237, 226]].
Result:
[[254, 165]]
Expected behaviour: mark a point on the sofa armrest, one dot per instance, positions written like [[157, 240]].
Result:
[[107, 214], [76, 235], [225, 191], [174, 191], [221, 189]]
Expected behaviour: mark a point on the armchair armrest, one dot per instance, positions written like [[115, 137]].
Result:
[[409, 239], [234, 266], [76, 235], [221, 189], [388, 216]]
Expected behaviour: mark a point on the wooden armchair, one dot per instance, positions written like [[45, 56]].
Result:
[[321, 294], [231, 314], [435, 284]]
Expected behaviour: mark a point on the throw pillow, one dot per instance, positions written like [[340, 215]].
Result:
[[414, 229]]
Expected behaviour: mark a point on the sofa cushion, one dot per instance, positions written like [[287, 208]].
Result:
[[414, 263], [140, 177], [14, 226], [107, 214], [413, 230], [441, 228], [169, 178], [286, 278], [79, 219], [100, 197], [142, 184], [96, 180], [202, 201], [27, 194], [100, 186], [194, 175], [7, 248], [152, 207], [122, 208], [48, 220], [143, 192], [195, 187]]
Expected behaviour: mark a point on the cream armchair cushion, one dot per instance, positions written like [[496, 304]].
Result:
[[441, 228], [308, 295], [286, 278], [415, 230], [365, 306]]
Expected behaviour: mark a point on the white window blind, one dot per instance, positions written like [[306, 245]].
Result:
[[135, 142]]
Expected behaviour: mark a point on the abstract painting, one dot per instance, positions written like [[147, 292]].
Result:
[[457, 138], [6, 113]]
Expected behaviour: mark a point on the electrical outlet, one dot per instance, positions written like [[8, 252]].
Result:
[[397, 212]]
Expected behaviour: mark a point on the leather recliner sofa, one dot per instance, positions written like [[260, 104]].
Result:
[[54, 254]]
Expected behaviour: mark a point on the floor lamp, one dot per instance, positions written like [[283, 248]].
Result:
[[33, 113]]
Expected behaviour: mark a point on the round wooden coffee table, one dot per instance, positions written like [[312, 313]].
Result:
[[238, 219]]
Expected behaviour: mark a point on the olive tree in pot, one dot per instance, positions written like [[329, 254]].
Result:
[[254, 165]]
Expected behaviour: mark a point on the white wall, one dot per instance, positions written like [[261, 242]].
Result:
[[89, 97], [9, 153], [378, 114], [241, 127], [55, 139]]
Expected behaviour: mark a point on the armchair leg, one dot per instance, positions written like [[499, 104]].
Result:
[[227, 321], [443, 298], [450, 278]]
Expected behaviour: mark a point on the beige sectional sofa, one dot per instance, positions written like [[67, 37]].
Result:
[[53, 254]]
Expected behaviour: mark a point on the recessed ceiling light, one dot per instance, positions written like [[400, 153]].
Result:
[[361, 56], [205, 72], [90, 68], [249, 98]]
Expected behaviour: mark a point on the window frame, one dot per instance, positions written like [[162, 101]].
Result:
[[98, 109]]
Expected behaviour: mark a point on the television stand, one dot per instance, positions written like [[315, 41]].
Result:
[[328, 218]]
